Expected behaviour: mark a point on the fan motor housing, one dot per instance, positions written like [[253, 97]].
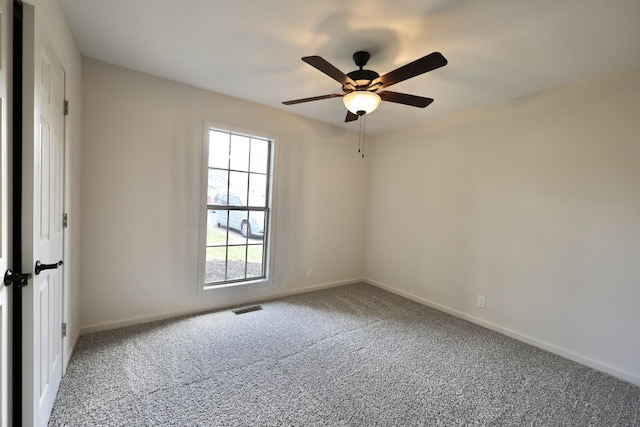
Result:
[[362, 77]]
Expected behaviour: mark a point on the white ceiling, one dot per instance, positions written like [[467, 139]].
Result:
[[251, 49]]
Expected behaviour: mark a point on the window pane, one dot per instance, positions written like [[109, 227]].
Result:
[[215, 265], [236, 262], [254, 261], [218, 149], [257, 190], [238, 186], [221, 217], [217, 184], [256, 224], [237, 220], [239, 153], [216, 236], [259, 155]]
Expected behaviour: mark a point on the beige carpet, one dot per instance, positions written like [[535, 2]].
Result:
[[349, 356]]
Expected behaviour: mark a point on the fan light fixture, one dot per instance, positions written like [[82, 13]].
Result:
[[361, 102]]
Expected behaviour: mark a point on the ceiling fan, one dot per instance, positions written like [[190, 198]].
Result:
[[361, 87]]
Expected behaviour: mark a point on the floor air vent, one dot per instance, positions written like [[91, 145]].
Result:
[[248, 309]]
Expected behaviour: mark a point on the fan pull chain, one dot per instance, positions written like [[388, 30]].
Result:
[[361, 135], [364, 129]]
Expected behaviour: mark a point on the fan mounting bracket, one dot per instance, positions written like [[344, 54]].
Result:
[[361, 58]]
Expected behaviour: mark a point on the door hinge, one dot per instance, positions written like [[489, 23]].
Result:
[[65, 220], [66, 107], [64, 329]]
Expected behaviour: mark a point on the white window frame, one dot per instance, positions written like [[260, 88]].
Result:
[[269, 246]]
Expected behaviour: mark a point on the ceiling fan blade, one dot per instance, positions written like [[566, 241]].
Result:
[[313, 98], [350, 117], [406, 99], [419, 66], [331, 71]]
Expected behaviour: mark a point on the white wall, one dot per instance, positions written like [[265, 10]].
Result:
[[533, 203], [141, 165], [50, 14]]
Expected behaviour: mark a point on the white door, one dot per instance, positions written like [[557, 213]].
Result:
[[6, 21], [42, 181]]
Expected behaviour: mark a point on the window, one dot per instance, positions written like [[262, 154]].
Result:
[[238, 207]]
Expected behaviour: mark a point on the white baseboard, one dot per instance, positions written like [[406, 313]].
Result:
[[583, 360], [98, 327]]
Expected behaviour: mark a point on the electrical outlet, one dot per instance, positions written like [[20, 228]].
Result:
[[278, 279], [481, 301], [310, 273]]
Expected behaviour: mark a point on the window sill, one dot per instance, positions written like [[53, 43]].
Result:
[[252, 283]]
